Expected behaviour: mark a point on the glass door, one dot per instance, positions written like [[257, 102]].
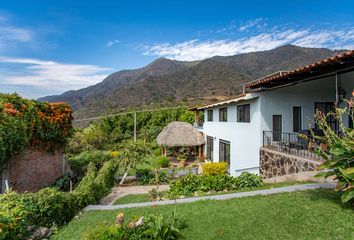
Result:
[[224, 153], [277, 127], [210, 148]]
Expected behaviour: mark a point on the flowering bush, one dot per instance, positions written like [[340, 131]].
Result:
[[214, 168], [26, 122]]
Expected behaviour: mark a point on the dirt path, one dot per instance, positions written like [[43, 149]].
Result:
[[118, 192]]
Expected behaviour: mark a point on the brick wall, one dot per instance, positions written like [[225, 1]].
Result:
[[34, 169], [276, 164]]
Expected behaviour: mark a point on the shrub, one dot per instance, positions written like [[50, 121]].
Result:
[[105, 178], [86, 191], [148, 176], [54, 207], [159, 177], [249, 180], [340, 154], [95, 184], [155, 195], [15, 215], [13, 135], [49, 206], [163, 162], [62, 183], [80, 162], [214, 168], [156, 227], [191, 184], [140, 172]]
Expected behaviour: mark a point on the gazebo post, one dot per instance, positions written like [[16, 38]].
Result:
[[200, 151], [165, 151]]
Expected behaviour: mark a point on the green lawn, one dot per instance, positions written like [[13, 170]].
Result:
[[151, 163], [133, 198], [314, 214], [139, 198]]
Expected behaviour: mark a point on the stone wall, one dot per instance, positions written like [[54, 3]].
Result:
[[33, 169], [276, 164]]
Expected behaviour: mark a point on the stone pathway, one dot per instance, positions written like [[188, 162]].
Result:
[[121, 191], [215, 197]]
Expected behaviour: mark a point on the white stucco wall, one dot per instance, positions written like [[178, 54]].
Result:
[[244, 138], [281, 101], [247, 138]]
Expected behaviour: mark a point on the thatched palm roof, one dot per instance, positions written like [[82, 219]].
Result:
[[179, 134]]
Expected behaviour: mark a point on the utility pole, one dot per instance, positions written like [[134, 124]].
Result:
[[134, 126]]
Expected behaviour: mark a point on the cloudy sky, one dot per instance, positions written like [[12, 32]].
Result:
[[49, 47]]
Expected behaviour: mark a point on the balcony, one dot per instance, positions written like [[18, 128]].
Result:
[[290, 143]]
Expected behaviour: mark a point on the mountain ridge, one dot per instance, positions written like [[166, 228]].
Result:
[[168, 82]]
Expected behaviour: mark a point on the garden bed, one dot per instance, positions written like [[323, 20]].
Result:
[[314, 214], [139, 198]]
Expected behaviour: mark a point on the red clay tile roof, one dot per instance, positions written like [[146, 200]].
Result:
[[225, 101], [306, 69]]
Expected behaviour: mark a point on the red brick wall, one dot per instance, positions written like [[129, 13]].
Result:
[[34, 169]]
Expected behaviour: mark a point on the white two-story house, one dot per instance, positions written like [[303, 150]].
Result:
[[271, 113]]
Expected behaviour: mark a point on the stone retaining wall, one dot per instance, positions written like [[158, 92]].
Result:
[[276, 164]]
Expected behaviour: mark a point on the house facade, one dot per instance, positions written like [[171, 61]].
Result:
[[266, 120]]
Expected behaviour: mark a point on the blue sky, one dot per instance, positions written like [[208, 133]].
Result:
[[48, 47]]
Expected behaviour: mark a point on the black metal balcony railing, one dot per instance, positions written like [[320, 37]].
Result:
[[291, 143]]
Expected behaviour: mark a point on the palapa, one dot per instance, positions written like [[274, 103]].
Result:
[[180, 134]]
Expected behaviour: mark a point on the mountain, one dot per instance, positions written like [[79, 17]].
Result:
[[166, 82], [79, 98]]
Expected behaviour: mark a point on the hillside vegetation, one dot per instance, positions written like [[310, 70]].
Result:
[[167, 82]]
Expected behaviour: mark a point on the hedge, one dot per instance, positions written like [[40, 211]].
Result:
[[198, 185], [49, 206]]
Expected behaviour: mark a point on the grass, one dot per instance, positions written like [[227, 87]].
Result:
[[133, 198], [144, 197], [314, 214], [151, 163]]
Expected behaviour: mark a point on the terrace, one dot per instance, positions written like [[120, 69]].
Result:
[[291, 143]]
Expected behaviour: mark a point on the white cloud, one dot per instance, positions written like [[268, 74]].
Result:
[[196, 49], [50, 75], [11, 34], [258, 22], [111, 43]]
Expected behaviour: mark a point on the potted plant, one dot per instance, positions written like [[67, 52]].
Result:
[[194, 169], [181, 159], [201, 159]]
